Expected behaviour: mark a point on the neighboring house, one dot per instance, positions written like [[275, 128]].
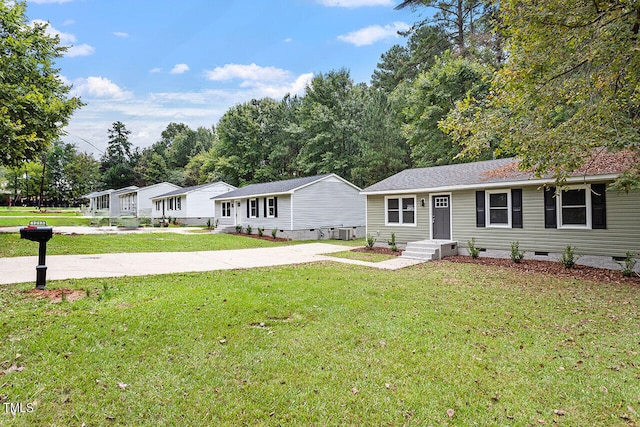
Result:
[[497, 204], [190, 205], [137, 201], [308, 208], [106, 203]]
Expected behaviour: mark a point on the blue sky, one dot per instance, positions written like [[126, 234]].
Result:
[[147, 63]]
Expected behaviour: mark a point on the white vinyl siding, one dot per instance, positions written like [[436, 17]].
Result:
[[327, 203]]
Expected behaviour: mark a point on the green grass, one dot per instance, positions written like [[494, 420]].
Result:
[[14, 221], [66, 212], [11, 245], [325, 344], [362, 256]]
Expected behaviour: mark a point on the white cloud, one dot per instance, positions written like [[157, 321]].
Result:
[[99, 87], [155, 70], [68, 40], [179, 69], [80, 50], [121, 34], [247, 73], [356, 3], [375, 33]]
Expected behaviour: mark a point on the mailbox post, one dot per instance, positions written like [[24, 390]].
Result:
[[42, 235]]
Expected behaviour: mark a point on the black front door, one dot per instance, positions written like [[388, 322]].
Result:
[[441, 210]]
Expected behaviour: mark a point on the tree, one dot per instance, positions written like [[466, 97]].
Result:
[[569, 88], [330, 113], [430, 99], [459, 18], [34, 102], [403, 64], [384, 150], [118, 162]]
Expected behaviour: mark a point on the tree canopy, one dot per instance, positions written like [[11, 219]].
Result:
[[571, 85], [34, 102]]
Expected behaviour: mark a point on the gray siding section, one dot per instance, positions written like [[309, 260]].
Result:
[[622, 233], [282, 222], [376, 221], [328, 203]]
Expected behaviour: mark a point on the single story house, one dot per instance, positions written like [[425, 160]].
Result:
[[137, 201], [189, 205], [106, 203], [497, 204], [309, 208]]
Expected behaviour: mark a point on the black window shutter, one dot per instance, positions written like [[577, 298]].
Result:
[[264, 200], [516, 208], [598, 206], [257, 207], [275, 207], [248, 203], [550, 217], [480, 216]]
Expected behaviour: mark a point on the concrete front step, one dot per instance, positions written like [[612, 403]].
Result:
[[430, 250]]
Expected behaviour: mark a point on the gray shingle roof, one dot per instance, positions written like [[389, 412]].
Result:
[[500, 170], [267, 188], [183, 190]]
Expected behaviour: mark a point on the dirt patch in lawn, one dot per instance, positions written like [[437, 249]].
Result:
[[579, 272], [377, 250], [57, 295]]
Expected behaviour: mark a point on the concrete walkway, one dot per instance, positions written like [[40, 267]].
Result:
[[59, 267]]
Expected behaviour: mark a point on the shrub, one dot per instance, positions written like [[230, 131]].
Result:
[[370, 241], [628, 263], [274, 232], [569, 257], [392, 243], [516, 255], [249, 229], [209, 224], [474, 251], [238, 229], [260, 231]]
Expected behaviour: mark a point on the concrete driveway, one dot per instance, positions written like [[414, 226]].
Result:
[[59, 267]]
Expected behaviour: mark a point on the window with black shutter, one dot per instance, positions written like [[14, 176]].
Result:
[[480, 212]]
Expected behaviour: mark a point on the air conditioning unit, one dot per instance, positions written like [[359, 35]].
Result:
[[345, 234]]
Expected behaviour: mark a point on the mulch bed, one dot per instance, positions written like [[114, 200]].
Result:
[[263, 237], [377, 250], [579, 272]]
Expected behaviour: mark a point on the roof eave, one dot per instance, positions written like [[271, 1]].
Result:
[[495, 184]]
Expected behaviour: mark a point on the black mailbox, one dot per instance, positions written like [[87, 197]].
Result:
[[41, 235]]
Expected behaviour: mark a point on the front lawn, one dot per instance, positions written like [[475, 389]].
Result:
[[11, 245], [324, 344]]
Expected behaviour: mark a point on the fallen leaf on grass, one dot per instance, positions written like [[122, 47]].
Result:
[[354, 390], [558, 412], [123, 385], [451, 413]]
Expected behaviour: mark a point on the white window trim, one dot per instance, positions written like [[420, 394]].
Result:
[[222, 209], [271, 200], [487, 209], [587, 196], [253, 214], [401, 224]]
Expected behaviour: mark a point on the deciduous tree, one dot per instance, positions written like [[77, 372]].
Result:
[[34, 102]]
